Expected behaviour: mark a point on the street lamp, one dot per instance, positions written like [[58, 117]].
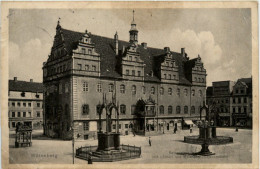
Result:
[[73, 141]]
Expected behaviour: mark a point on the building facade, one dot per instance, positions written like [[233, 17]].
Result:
[[154, 88], [25, 104], [233, 101]]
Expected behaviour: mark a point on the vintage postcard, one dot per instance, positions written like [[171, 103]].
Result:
[[129, 84]]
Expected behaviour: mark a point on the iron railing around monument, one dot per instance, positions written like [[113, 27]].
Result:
[[126, 152]]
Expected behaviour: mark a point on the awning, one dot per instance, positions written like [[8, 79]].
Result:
[[189, 122]]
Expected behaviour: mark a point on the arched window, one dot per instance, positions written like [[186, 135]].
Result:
[[193, 92], [178, 109], [85, 109], [178, 92], [143, 89], [186, 92], [161, 109], [200, 93], [152, 90], [122, 109], [192, 109], [122, 88], [170, 91], [110, 87], [169, 109], [186, 109], [133, 90], [161, 91], [133, 109]]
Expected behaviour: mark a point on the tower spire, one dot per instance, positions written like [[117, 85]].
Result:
[[133, 31], [133, 15]]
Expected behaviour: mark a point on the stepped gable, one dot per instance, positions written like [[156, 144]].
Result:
[[105, 47]]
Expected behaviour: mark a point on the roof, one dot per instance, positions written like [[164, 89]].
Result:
[[209, 91], [248, 82], [24, 86], [105, 47]]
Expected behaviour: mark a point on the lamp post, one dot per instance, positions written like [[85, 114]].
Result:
[[73, 141]]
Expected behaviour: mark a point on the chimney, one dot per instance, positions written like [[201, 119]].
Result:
[[167, 49], [183, 52], [15, 79], [116, 43], [144, 44], [31, 80]]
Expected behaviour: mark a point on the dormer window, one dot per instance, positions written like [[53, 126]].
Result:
[[23, 94], [86, 40]]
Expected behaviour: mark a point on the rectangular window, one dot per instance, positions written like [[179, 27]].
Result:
[[66, 88], [93, 68], [245, 100], [24, 114], [239, 100], [29, 104], [136, 59], [133, 72], [86, 126], [114, 126], [13, 114], [132, 109], [85, 109], [126, 126], [170, 76], [139, 73], [234, 100], [13, 124], [86, 67], [242, 91], [245, 109], [19, 114], [119, 126], [79, 66], [90, 51], [239, 109], [18, 104], [38, 104], [30, 114], [38, 114], [85, 86], [127, 72], [24, 104], [130, 58], [86, 137], [99, 88], [13, 104], [152, 90], [60, 88]]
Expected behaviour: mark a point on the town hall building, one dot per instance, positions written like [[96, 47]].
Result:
[[153, 88]]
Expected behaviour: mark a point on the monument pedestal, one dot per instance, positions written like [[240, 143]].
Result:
[[108, 141]]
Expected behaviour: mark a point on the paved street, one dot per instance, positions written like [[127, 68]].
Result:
[[167, 148]]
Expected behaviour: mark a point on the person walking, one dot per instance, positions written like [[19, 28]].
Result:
[[150, 142]]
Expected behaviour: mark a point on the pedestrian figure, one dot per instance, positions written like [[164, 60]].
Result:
[[150, 142], [134, 133], [175, 129], [89, 159]]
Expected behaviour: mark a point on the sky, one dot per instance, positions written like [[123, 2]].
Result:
[[222, 37]]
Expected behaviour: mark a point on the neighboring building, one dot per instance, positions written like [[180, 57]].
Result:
[[233, 102], [154, 88], [25, 102]]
